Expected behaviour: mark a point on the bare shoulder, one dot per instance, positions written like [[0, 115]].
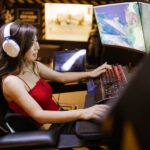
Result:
[[48, 73], [10, 78], [40, 65], [13, 87], [12, 81], [43, 68]]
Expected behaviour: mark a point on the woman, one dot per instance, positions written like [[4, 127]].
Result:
[[32, 95]]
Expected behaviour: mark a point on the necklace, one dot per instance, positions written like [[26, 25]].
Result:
[[27, 68], [30, 69]]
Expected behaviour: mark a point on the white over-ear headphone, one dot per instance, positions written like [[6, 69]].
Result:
[[9, 45]]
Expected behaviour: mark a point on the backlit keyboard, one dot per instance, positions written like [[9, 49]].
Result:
[[113, 80]]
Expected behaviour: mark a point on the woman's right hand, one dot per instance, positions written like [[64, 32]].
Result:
[[96, 112]]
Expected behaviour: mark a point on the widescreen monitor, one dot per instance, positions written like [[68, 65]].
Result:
[[125, 24]]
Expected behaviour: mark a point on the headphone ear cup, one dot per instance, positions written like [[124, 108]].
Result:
[[11, 48]]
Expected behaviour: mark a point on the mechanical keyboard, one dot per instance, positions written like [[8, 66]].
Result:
[[110, 85], [113, 80]]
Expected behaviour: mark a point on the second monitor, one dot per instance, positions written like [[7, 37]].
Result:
[[70, 60]]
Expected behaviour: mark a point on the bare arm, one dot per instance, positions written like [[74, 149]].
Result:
[[20, 96], [66, 77]]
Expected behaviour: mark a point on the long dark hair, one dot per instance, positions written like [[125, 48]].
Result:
[[23, 34]]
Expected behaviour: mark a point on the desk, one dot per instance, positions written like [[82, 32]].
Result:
[[63, 88], [70, 95]]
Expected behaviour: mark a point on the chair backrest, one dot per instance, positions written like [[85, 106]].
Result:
[[3, 110]]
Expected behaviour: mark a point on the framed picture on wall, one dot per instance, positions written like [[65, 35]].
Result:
[[30, 13], [68, 22]]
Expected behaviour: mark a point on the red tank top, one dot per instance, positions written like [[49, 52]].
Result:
[[42, 93]]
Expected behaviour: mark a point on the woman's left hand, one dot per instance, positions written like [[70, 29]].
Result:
[[99, 70]]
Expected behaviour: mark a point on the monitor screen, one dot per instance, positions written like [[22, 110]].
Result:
[[145, 15], [70, 60], [68, 22], [120, 24]]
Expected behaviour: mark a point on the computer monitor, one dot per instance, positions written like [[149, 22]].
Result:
[[125, 24], [70, 60]]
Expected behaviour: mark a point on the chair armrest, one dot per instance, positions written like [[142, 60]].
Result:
[[32, 139], [19, 123], [27, 134]]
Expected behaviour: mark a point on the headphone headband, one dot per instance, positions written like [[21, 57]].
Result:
[[7, 30]]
